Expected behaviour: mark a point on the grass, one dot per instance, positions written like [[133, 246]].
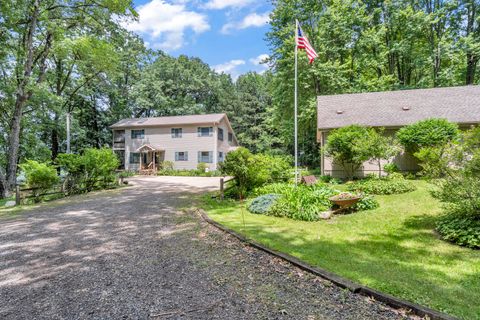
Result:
[[393, 249]]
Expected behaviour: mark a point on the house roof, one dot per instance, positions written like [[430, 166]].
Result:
[[168, 121], [399, 108]]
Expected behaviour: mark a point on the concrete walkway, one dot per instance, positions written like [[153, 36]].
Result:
[[130, 254]]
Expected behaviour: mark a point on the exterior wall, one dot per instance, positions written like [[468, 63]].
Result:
[[224, 146], [405, 161], [190, 142]]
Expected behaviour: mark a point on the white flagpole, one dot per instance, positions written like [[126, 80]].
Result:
[[295, 102]]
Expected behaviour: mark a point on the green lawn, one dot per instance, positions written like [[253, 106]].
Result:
[[393, 249]]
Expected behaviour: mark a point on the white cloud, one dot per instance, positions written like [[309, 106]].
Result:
[[251, 20], [167, 23], [222, 4], [229, 67], [261, 59]]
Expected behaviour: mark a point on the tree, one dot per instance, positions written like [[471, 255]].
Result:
[[427, 133], [381, 147], [349, 147]]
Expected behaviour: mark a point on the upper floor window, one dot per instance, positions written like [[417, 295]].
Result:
[[205, 156], [181, 156], [119, 136], [220, 134], [205, 131], [176, 132], [230, 137], [138, 134], [220, 156]]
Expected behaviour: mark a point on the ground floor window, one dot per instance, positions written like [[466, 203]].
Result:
[[205, 156], [181, 156], [135, 157], [220, 156]]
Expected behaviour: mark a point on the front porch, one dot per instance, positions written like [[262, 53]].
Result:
[[151, 158]]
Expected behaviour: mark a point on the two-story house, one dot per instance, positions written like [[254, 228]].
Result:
[[144, 143]]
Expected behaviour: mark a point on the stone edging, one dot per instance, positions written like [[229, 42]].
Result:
[[389, 300]]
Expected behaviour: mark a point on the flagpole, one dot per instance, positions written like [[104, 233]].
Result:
[[295, 103]]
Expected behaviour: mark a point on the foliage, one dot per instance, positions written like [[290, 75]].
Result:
[[462, 230], [250, 171], [92, 169], [274, 188], [262, 204], [393, 184], [166, 165], [202, 166], [188, 173], [366, 247], [366, 202], [39, 176], [381, 147], [432, 161], [427, 133], [390, 168], [349, 147]]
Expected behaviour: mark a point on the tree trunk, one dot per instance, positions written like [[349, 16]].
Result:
[[21, 99], [471, 68]]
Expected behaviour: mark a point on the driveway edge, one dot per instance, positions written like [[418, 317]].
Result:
[[339, 281]]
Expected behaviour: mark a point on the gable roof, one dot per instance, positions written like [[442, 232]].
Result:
[[169, 121], [399, 108]]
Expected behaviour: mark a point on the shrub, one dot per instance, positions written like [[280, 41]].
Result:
[[301, 203], [202, 167], [250, 171], [390, 168], [381, 147], [262, 204], [393, 184], [94, 168], [427, 133], [277, 188], [366, 203], [462, 230], [39, 176], [166, 165], [349, 147]]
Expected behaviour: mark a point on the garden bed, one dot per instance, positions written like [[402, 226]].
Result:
[[393, 248]]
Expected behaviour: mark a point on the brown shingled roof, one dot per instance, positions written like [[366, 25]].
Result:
[[168, 121], [399, 108]]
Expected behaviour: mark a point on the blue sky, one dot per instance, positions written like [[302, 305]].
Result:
[[227, 34]]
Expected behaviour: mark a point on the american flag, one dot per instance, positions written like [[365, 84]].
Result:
[[303, 43]]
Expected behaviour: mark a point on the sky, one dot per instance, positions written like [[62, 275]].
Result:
[[227, 34]]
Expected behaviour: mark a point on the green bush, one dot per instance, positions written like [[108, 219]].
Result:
[[393, 184], [166, 165], [349, 147], [366, 203], [188, 173], [202, 166], [391, 168], [39, 176], [93, 169], [427, 133], [462, 230], [276, 188], [250, 171], [262, 204]]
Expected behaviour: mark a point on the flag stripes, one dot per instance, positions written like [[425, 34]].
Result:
[[303, 43]]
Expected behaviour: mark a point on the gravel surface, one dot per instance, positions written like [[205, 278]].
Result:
[[129, 254]]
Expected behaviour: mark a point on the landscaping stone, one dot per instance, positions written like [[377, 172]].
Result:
[[10, 203], [326, 215]]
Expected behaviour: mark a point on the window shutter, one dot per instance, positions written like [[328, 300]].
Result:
[[199, 156], [210, 157], [185, 157], [131, 158], [176, 156]]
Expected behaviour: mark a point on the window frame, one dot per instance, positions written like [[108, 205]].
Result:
[[131, 157], [177, 155], [134, 132], [210, 157], [230, 137], [221, 156], [200, 131], [176, 133], [220, 134]]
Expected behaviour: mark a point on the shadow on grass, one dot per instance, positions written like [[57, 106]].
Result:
[[406, 260]]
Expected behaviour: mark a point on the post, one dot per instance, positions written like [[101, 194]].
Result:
[[17, 195], [222, 187], [295, 102], [68, 132]]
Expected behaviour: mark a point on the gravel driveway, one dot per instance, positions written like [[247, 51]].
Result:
[[128, 254]]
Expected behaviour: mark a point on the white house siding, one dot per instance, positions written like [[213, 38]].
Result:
[[161, 137], [224, 146], [405, 161]]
